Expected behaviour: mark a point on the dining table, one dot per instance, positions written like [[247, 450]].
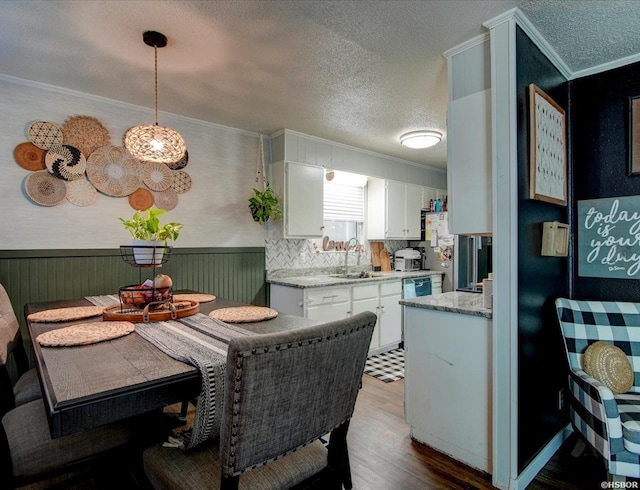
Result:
[[90, 385]]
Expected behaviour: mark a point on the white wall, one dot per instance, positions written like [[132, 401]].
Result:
[[222, 164]]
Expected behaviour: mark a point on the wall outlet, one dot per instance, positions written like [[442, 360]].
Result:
[[560, 398]]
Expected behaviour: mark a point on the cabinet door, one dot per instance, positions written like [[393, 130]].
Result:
[[371, 305], [395, 210], [469, 172], [390, 320], [413, 206], [328, 313], [304, 200]]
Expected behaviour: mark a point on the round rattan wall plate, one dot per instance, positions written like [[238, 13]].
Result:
[[244, 314], [157, 176], [45, 189], [29, 156], [166, 200], [181, 181], [85, 334], [114, 171], [65, 162], [44, 134], [80, 192], [85, 133], [182, 163], [141, 199]]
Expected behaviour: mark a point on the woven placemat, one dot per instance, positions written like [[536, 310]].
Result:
[[84, 334], [199, 297], [244, 314], [65, 314]]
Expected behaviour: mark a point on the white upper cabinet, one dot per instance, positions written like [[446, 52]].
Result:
[[393, 210], [300, 189], [469, 161]]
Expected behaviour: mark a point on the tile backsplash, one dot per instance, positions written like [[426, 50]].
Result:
[[299, 254]]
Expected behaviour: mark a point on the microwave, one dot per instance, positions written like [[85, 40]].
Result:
[[407, 260]]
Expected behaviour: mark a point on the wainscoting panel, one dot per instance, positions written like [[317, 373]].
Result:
[[43, 275]]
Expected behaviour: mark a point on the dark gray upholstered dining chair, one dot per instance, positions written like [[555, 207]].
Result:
[[282, 392], [28, 453], [27, 387]]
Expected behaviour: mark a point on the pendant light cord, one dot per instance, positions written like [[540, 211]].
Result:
[[156, 78]]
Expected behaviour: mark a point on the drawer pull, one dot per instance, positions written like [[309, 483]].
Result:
[[329, 297]]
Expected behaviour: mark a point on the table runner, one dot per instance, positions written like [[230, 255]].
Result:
[[202, 342]]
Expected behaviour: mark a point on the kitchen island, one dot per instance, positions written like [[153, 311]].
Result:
[[448, 375]]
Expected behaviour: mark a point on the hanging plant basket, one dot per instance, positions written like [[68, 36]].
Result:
[[264, 204]]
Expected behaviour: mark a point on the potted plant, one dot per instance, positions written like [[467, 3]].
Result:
[[264, 205], [149, 236]]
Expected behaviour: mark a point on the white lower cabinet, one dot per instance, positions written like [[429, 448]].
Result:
[[335, 303]]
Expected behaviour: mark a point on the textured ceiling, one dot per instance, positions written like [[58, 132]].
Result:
[[357, 72]]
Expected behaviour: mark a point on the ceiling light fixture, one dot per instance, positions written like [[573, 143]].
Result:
[[421, 139], [151, 142]]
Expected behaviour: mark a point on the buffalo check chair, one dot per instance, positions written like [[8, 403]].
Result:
[[608, 423], [282, 392]]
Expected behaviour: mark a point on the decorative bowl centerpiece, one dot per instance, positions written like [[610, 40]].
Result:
[[139, 296]]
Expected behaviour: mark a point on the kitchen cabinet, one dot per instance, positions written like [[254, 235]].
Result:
[[300, 189], [469, 154], [393, 210], [445, 376], [335, 303]]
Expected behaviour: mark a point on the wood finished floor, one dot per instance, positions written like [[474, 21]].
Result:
[[383, 456]]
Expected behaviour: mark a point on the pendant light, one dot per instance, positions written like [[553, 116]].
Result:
[[151, 142]]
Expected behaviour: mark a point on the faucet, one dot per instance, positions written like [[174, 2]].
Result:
[[346, 254]]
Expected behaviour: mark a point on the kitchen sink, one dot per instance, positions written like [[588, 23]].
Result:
[[360, 275]]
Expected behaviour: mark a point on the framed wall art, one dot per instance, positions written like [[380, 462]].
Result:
[[548, 144], [634, 135]]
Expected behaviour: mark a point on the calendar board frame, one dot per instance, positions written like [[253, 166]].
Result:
[[548, 148]]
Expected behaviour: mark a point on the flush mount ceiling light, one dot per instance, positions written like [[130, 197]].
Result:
[[420, 139], [151, 142]]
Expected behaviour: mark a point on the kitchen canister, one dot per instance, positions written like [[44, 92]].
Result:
[[487, 293]]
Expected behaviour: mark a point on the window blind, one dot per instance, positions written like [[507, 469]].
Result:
[[343, 202]]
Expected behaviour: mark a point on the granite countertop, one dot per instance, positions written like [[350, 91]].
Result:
[[454, 302], [322, 280]]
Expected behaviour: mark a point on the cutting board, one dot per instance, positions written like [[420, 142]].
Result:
[[376, 247], [385, 260]]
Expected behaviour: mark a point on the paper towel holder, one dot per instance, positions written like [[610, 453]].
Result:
[[555, 239]]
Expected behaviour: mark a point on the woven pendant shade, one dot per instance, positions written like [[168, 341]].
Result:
[[152, 142]]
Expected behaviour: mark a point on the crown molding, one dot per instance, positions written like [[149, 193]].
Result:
[[611, 65], [474, 41]]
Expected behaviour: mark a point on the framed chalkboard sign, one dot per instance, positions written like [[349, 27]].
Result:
[[634, 136], [548, 153], [609, 237]]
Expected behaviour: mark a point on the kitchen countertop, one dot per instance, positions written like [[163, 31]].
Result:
[[317, 281], [454, 302]]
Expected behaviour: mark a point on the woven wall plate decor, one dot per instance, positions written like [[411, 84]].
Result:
[[29, 156], [65, 162], [85, 133], [157, 176], [114, 171], [166, 200], [85, 334], [182, 163], [44, 134], [80, 192], [181, 181], [45, 189], [244, 314], [141, 199]]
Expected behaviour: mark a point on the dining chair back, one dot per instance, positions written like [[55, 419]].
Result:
[[283, 391], [27, 387]]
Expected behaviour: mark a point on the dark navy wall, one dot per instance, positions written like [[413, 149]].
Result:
[[541, 361], [599, 125]]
